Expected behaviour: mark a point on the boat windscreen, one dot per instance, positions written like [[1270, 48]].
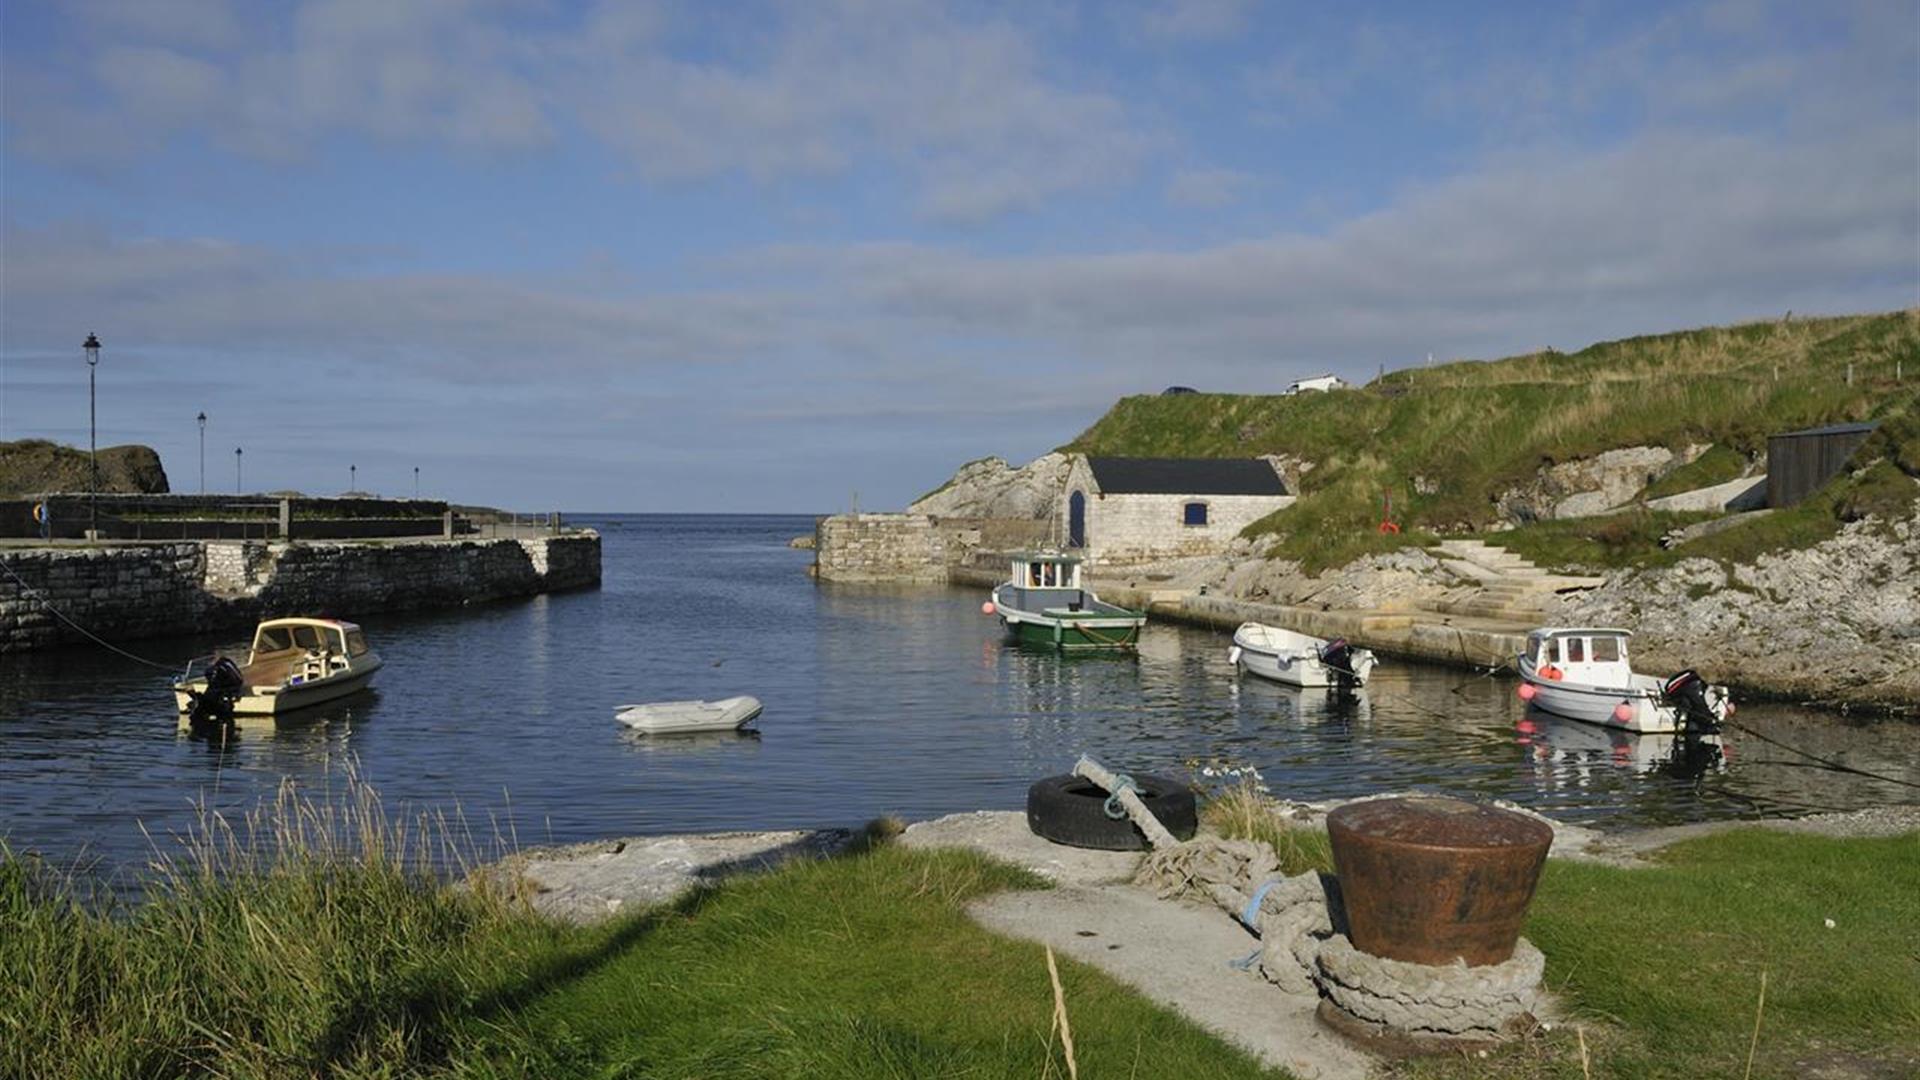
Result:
[[272, 639]]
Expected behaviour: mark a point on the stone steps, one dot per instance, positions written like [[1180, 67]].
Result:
[[1511, 586]]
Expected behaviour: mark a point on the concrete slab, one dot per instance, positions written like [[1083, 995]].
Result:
[[585, 883], [1180, 956], [1003, 834]]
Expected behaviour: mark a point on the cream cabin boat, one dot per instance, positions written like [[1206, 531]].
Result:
[[294, 663], [1582, 673]]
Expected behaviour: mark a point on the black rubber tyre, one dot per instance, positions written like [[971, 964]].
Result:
[[1072, 810]]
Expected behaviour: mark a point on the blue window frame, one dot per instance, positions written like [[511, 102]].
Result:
[[1196, 513]]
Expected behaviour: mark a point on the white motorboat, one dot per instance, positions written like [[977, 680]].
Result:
[[294, 663], [1582, 673], [1297, 659], [679, 717]]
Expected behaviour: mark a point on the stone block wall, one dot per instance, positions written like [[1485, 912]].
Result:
[[880, 547], [133, 591]]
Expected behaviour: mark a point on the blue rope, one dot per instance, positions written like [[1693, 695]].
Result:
[[1121, 782], [1246, 962], [1252, 910]]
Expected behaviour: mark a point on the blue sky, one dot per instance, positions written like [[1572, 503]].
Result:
[[666, 256]]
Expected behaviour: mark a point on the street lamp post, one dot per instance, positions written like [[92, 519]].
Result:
[[416, 481], [237, 488], [203, 452], [353, 478], [92, 347]]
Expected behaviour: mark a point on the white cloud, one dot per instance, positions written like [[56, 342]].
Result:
[[969, 106]]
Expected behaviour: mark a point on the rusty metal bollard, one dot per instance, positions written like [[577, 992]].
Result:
[[1431, 879]]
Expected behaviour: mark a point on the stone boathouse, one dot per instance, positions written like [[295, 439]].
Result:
[[1121, 510]]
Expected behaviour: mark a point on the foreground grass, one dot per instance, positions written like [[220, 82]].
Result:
[[860, 967], [1660, 967], [310, 943]]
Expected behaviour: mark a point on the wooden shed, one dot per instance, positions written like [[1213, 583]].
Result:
[[1800, 462]]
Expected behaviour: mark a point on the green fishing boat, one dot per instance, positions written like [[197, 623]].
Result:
[[1043, 603]]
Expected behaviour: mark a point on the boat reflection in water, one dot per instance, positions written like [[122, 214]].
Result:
[[1302, 707], [1569, 751], [290, 739], [692, 744]]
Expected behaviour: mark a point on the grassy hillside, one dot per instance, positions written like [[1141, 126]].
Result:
[[1445, 441], [36, 466]]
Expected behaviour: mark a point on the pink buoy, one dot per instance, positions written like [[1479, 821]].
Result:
[[987, 608], [1528, 691], [1623, 712]]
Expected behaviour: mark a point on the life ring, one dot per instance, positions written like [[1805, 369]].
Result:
[[1389, 527]]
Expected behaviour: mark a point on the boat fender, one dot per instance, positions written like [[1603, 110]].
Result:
[[1233, 655], [1551, 672], [987, 608]]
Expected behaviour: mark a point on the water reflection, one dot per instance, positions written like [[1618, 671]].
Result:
[[1568, 752]]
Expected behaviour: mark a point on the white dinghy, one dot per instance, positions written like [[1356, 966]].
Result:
[[679, 717], [1296, 659]]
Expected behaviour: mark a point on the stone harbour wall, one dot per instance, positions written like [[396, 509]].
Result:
[[913, 547], [147, 590], [880, 547]]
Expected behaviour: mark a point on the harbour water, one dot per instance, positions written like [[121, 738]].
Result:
[[901, 701]]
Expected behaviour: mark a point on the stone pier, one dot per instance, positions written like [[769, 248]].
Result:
[[126, 591]]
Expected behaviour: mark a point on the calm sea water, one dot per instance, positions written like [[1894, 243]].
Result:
[[878, 701]]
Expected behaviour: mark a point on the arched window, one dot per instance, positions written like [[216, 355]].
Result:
[[1196, 513]]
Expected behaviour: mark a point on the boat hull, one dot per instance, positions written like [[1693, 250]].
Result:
[[1091, 632], [1646, 713], [257, 702]]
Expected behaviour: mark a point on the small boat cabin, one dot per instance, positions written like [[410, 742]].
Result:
[[1591, 655], [280, 638], [1039, 581]]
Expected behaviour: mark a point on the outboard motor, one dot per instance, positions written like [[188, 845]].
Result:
[[1338, 656], [1686, 692], [214, 705]]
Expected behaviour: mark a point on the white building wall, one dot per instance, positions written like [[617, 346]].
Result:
[[1125, 529]]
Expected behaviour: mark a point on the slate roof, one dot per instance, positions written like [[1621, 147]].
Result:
[[1185, 476], [1830, 429]]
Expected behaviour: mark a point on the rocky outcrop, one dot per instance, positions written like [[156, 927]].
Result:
[[1589, 486], [991, 488], [1399, 580], [36, 467], [1838, 622]]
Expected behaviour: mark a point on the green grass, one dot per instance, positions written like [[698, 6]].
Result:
[[309, 941], [1660, 966], [860, 967], [1469, 431], [1717, 466]]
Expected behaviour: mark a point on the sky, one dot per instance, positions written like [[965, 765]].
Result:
[[658, 256]]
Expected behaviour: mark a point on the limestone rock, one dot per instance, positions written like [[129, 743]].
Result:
[[991, 488], [1837, 620], [1589, 486]]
